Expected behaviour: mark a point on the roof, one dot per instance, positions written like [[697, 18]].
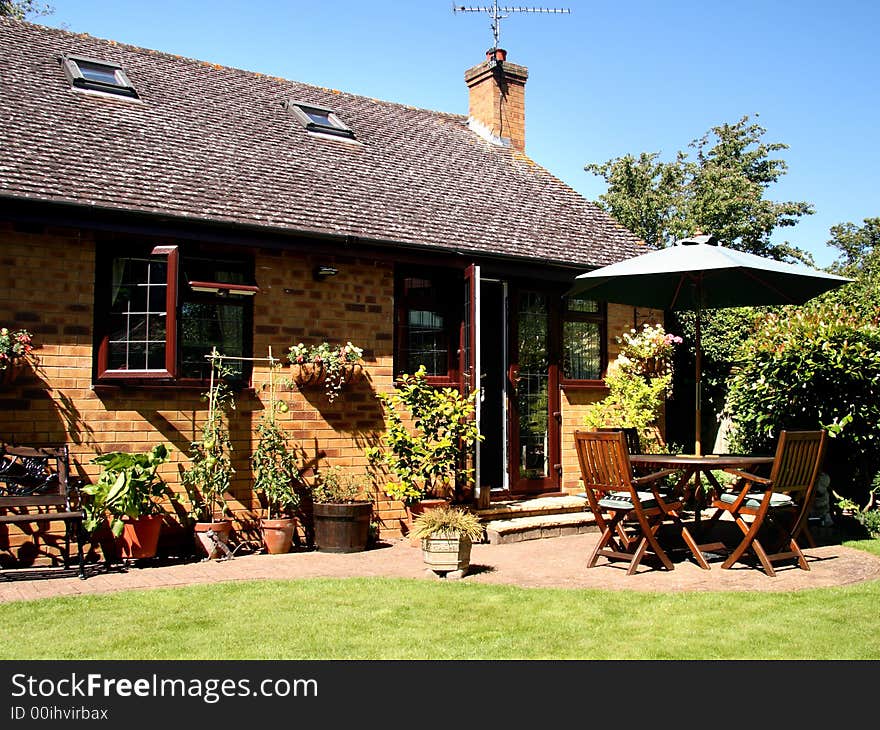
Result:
[[211, 143]]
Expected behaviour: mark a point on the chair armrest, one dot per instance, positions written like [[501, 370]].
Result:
[[652, 477], [748, 477]]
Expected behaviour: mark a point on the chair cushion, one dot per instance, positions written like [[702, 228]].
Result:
[[621, 500], [753, 500]]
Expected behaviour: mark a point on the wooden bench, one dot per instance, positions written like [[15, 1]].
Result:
[[36, 486]]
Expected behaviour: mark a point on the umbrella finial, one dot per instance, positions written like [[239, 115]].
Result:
[[698, 237]]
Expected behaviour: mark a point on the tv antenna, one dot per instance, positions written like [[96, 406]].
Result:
[[498, 13]]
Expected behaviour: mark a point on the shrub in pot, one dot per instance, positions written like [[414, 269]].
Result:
[[275, 474], [342, 511], [447, 534], [128, 494], [429, 439], [209, 475]]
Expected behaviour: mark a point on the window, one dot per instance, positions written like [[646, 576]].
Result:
[[160, 311], [583, 339], [428, 313], [87, 73], [318, 119]]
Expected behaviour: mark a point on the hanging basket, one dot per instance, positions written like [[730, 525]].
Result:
[[313, 374], [12, 371]]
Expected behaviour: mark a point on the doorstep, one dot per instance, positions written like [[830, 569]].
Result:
[[533, 519]]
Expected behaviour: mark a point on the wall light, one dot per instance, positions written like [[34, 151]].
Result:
[[322, 273]]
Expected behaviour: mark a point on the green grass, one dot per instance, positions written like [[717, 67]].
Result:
[[367, 618]]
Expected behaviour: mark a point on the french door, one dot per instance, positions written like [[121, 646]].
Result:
[[533, 381]]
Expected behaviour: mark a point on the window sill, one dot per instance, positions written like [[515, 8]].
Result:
[[583, 385], [126, 386]]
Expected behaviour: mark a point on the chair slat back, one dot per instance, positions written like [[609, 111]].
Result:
[[633, 442], [798, 459], [604, 460]]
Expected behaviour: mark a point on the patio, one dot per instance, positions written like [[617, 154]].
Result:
[[557, 562]]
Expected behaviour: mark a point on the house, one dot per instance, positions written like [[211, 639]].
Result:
[[153, 207]]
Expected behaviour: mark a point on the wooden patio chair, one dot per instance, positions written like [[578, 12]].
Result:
[[629, 509], [633, 442], [772, 512]]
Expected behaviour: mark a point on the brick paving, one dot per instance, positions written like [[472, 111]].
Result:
[[557, 562]]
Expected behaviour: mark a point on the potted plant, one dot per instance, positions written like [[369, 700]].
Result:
[[429, 438], [275, 473], [447, 534], [128, 492], [333, 365], [15, 349], [210, 472], [342, 510]]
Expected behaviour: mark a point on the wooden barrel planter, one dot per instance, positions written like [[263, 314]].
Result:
[[342, 527]]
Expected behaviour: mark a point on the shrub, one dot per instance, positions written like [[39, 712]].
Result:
[[430, 432], [638, 381], [811, 368]]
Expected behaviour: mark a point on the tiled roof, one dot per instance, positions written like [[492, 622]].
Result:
[[207, 142]]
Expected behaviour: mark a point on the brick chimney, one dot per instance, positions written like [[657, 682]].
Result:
[[497, 108]]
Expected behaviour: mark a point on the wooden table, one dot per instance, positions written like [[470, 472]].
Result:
[[693, 469]]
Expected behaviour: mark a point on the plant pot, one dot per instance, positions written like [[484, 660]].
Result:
[[445, 553], [417, 508], [342, 527], [278, 535], [205, 534], [140, 537], [313, 374]]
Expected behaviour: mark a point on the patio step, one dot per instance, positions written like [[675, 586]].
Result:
[[533, 519]]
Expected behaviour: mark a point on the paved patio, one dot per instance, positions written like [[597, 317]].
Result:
[[557, 562]]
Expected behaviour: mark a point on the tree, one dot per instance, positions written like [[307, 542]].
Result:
[[21, 9], [859, 260], [720, 192]]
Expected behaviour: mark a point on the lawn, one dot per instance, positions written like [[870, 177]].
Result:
[[367, 618]]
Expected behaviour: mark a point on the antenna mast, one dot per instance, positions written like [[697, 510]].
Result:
[[497, 14]]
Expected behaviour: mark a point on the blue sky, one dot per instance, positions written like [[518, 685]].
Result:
[[604, 80]]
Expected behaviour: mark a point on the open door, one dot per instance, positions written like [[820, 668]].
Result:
[[470, 365]]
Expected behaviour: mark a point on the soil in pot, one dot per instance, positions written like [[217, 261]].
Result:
[[208, 533], [342, 527], [140, 537], [278, 535]]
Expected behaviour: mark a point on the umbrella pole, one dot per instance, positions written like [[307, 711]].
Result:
[[698, 438]]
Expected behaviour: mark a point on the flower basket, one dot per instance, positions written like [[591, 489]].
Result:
[[13, 370], [314, 374]]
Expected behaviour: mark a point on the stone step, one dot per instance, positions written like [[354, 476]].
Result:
[[533, 519], [526, 507]]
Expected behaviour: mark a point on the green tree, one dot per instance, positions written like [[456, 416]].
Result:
[[860, 259], [22, 9], [722, 191]]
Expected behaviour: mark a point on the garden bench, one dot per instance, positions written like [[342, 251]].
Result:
[[35, 486]]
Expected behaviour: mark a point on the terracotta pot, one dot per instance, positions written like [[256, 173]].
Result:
[[414, 510], [278, 535], [342, 527], [205, 544], [140, 537]]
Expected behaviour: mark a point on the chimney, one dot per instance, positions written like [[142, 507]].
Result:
[[497, 108]]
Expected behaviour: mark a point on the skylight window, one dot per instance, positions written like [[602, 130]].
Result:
[[319, 119], [88, 73]]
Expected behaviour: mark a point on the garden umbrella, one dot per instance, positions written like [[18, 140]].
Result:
[[696, 274]]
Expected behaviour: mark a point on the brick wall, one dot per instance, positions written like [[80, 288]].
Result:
[[48, 289]]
